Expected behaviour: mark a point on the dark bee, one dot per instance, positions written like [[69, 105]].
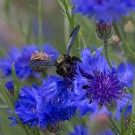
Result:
[[64, 63]]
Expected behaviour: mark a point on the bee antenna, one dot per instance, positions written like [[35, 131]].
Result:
[[72, 38]]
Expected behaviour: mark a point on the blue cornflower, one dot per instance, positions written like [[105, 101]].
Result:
[[104, 10], [34, 109], [58, 101], [21, 58], [26, 106], [81, 130], [55, 88], [96, 86]]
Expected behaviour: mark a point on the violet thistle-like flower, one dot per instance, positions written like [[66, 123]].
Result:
[[97, 86], [104, 10], [37, 108], [21, 59]]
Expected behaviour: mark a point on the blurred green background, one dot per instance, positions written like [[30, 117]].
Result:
[[19, 26]]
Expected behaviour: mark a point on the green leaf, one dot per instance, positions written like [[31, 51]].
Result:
[[16, 83], [114, 127], [6, 94], [132, 122], [61, 4], [122, 117]]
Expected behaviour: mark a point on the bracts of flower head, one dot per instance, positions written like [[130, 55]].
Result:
[[99, 87], [44, 106]]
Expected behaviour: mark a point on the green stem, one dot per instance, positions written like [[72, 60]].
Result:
[[126, 45], [37, 131], [11, 106], [29, 29], [71, 19], [7, 8], [133, 107], [114, 127], [66, 30], [40, 21], [106, 53], [132, 122]]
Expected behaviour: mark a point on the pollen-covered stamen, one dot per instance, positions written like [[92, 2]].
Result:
[[104, 88]]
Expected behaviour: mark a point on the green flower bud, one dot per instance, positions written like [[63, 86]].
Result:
[[104, 30]]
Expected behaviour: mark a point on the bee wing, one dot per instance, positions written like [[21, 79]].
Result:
[[72, 38], [36, 63]]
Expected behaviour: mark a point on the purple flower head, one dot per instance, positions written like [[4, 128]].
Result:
[[81, 130], [21, 58], [96, 86], [55, 88], [104, 10], [56, 93], [35, 109]]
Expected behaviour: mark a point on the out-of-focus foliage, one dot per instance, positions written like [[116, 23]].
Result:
[[19, 25]]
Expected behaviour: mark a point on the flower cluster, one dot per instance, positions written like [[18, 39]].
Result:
[[89, 87], [96, 86], [34, 109], [104, 10], [21, 58]]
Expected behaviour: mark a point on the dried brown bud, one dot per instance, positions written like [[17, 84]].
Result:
[[129, 27], [40, 56], [114, 41], [104, 30]]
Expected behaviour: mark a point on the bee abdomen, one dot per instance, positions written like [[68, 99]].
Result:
[[64, 70]]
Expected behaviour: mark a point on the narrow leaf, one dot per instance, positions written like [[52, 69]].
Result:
[[16, 83], [6, 94]]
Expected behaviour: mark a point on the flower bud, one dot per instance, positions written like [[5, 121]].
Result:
[[114, 41], [104, 30], [40, 56], [129, 27], [99, 123]]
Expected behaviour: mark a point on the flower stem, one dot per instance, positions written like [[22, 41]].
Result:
[[126, 46], [4, 91], [132, 122], [106, 53], [40, 21]]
